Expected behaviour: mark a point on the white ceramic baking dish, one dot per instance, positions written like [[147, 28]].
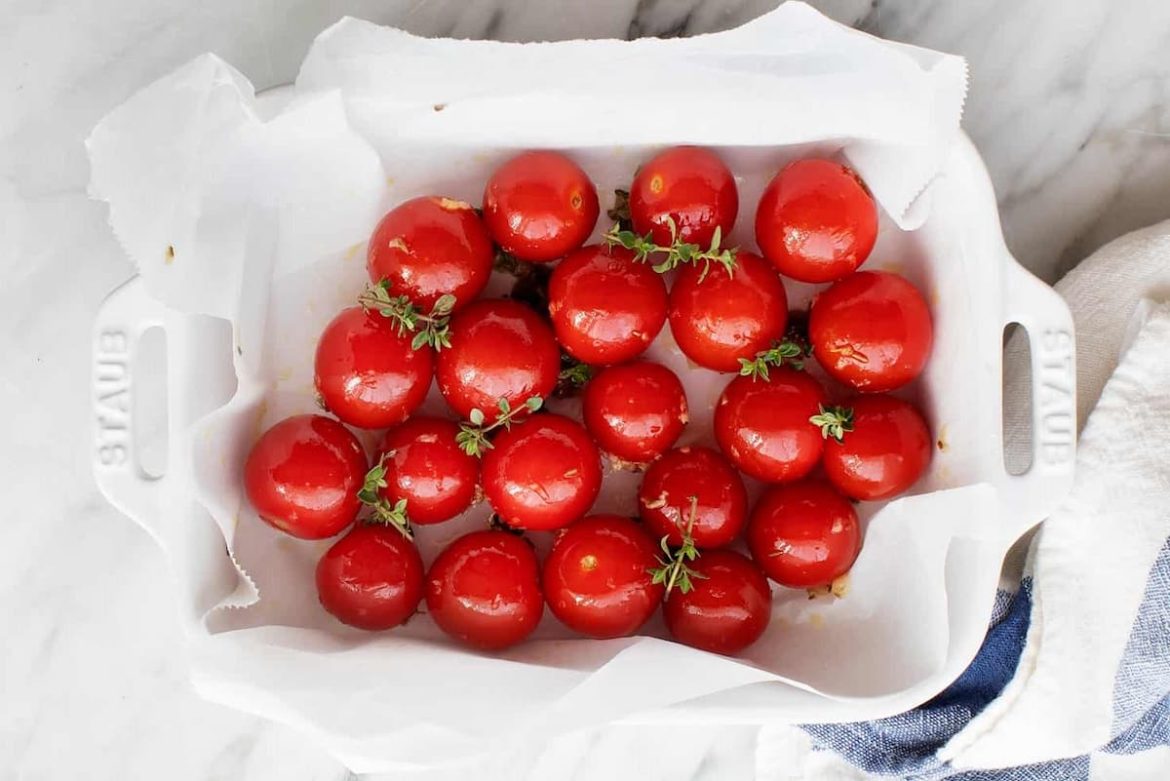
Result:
[[958, 257]]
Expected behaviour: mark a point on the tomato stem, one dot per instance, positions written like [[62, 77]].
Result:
[[429, 329], [674, 570], [834, 422], [382, 511], [472, 437], [677, 253], [776, 355]]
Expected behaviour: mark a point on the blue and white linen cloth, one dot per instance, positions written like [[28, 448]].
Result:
[[1073, 679]]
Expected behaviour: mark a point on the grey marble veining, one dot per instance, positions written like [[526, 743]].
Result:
[[1068, 104]]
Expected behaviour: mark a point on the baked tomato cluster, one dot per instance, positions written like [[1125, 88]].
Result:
[[698, 549]]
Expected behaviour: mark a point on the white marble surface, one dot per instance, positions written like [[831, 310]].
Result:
[[1069, 105]]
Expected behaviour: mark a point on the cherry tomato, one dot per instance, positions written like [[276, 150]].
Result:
[[426, 467], [303, 475], [726, 610], [605, 307], [371, 578], [635, 411], [597, 577], [723, 318], [366, 372], [871, 330], [884, 453], [429, 247], [804, 534], [484, 590], [671, 482], [763, 428], [499, 349], [542, 473], [540, 206], [689, 185], [816, 221]]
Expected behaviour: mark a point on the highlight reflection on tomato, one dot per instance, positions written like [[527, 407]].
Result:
[[597, 577], [484, 590], [429, 247], [303, 474], [367, 373], [804, 534], [371, 578], [719, 319], [426, 467], [605, 307], [635, 411], [542, 473]]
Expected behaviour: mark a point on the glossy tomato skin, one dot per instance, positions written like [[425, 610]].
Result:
[[366, 372], [431, 246], [763, 427], [872, 330], [635, 411], [542, 473], [484, 590], [804, 534], [426, 467], [886, 452], [726, 610], [664, 498], [371, 578], [816, 221], [303, 475], [727, 317], [687, 184], [605, 307], [500, 349], [539, 206], [597, 577]]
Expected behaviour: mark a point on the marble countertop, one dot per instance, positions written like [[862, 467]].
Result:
[[1069, 105]]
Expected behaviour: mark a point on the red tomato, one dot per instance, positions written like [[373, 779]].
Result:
[[605, 307], [426, 467], [687, 184], [816, 221], [724, 318], [871, 330], [635, 411], [597, 577], [699, 472], [366, 372], [499, 349], [371, 578], [804, 534], [726, 610], [763, 427], [542, 473], [484, 590], [428, 247], [884, 451], [303, 475], [540, 206]]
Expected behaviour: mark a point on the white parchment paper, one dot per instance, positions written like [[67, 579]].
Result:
[[264, 224]]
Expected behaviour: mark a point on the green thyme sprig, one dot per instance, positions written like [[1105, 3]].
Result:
[[472, 437], [677, 253], [779, 354], [674, 570], [382, 511], [430, 329], [834, 422]]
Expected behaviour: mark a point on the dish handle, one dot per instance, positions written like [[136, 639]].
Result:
[[1037, 308], [123, 318]]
